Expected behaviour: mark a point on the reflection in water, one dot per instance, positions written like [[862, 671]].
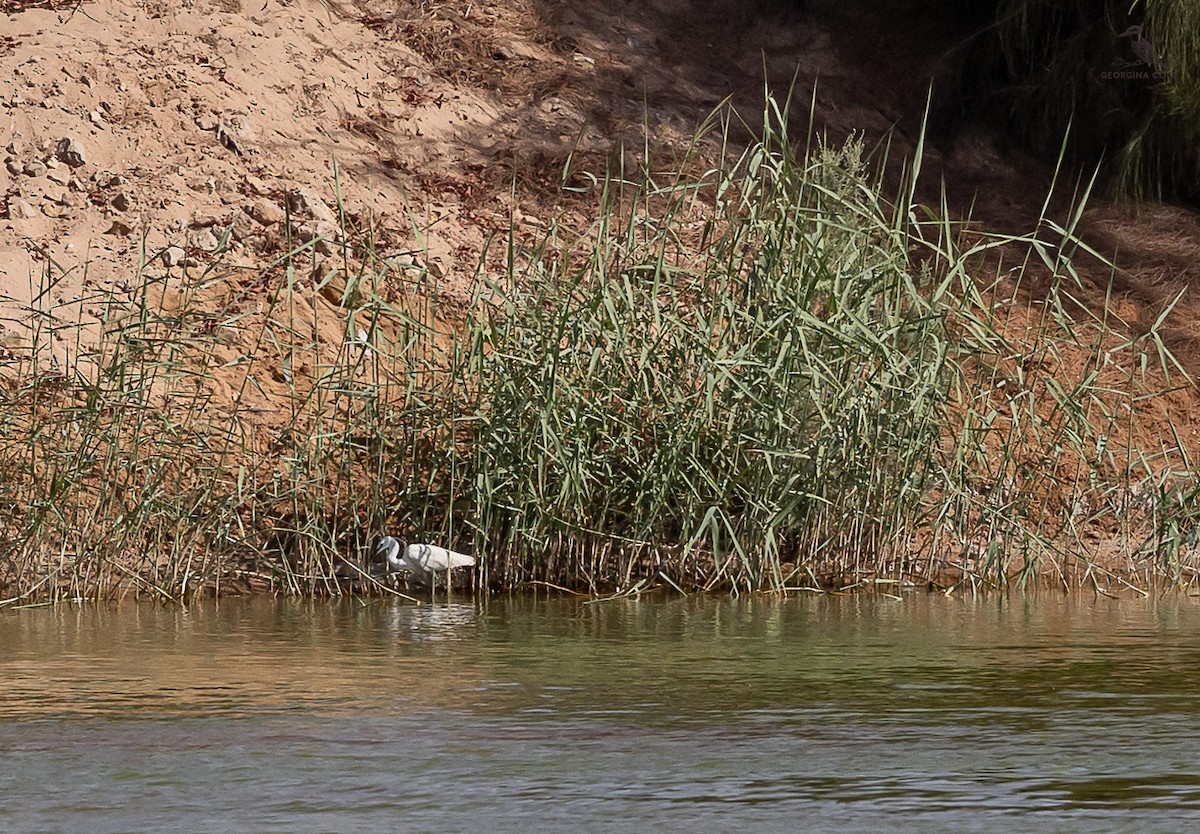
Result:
[[432, 622], [823, 713]]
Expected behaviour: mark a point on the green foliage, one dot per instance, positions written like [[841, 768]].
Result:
[[769, 391], [762, 375]]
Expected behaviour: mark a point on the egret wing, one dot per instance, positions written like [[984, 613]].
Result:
[[430, 558]]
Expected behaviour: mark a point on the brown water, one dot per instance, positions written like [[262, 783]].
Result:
[[705, 715]]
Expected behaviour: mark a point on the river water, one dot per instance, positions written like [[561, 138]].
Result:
[[815, 713]]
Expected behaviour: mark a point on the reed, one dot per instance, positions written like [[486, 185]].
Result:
[[759, 374]]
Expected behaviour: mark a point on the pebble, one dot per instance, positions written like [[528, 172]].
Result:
[[258, 186], [14, 167], [20, 210], [324, 233], [265, 212], [203, 239], [173, 256], [256, 243], [243, 227], [71, 152], [34, 168], [233, 134], [204, 221], [305, 202], [120, 229], [58, 177], [120, 201], [107, 179], [334, 292]]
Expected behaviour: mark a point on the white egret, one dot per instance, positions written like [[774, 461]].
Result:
[[423, 559]]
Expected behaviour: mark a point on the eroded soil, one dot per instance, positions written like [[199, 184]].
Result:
[[143, 136]]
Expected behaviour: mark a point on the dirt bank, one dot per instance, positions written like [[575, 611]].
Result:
[[192, 144]]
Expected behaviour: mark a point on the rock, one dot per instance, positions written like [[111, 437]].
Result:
[[67, 199], [258, 186], [204, 221], [120, 201], [324, 233], [120, 229], [334, 290], [207, 122], [243, 227], [95, 118], [20, 210], [265, 212], [15, 168], [34, 168], [203, 239], [306, 203], [173, 256], [205, 186], [52, 208], [304, 231], [70, 151], [236, 134], [514, 49], [257, 243], [59, 177], [415, 74]]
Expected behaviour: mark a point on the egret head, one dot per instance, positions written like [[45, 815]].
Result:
[[388, 549], [1132, 32]]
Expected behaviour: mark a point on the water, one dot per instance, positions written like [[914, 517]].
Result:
[[705, 715]]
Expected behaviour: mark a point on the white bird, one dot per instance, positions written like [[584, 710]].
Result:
[[425, 559]]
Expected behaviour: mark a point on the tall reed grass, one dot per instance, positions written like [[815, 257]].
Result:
[[756, 374]]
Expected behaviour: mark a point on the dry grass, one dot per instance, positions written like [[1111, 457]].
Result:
[[759, 375]]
